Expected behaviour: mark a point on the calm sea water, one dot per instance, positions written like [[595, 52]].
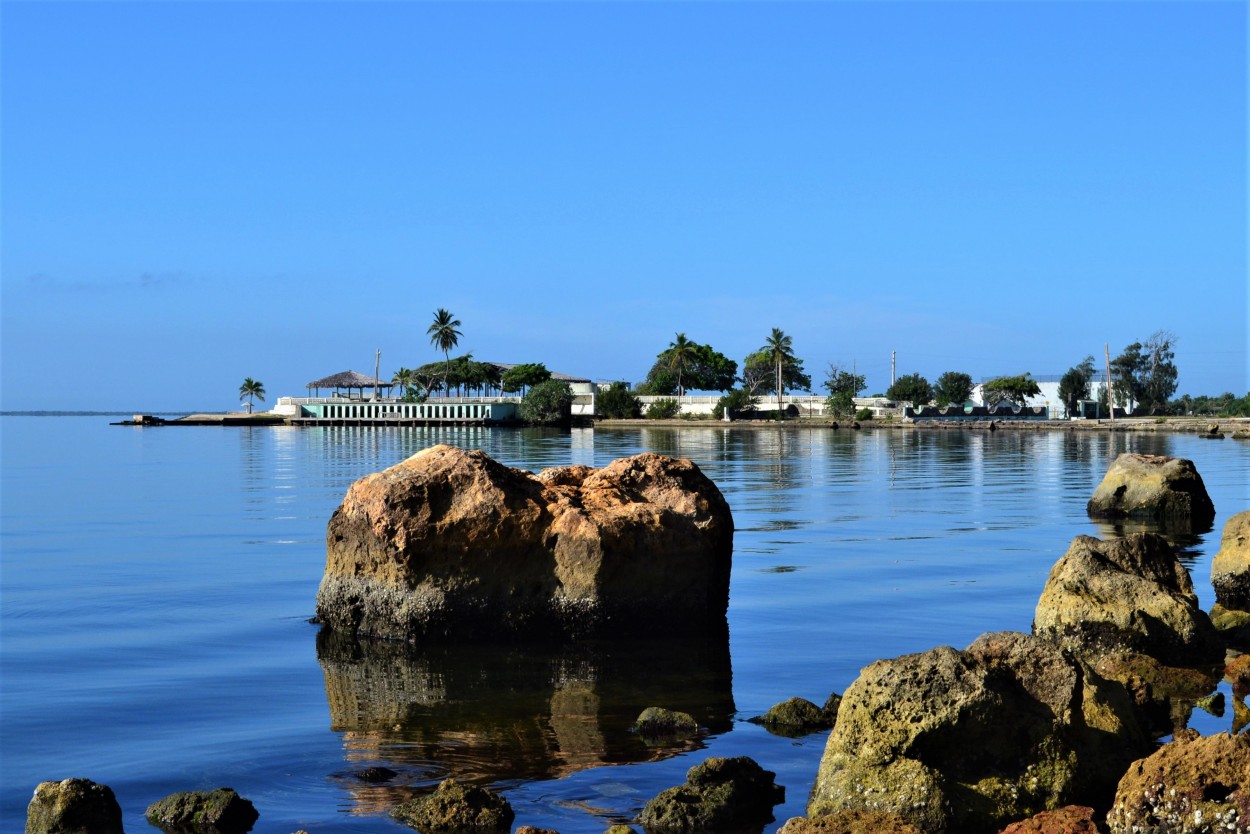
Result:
[[157, 585]]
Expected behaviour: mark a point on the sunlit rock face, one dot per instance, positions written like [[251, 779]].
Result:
[[969, 741], [451, 544], [1230, 571], [1129, 595]]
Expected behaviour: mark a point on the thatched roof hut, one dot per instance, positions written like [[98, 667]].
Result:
[[348, 381]]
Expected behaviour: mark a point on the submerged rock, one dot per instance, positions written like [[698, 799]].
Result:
[[1153, 488], [719, 795], [450, 544], [657, 722], [73, 806], [1230, 570], [454, 807], [799, 716], [1192, 785], [1126, 595], [968, 741], [221, 811], [1233, 626]]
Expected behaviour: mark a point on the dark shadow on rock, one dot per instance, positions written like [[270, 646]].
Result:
[[517, 711]]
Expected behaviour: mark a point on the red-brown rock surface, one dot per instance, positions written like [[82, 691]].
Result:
[[1192, 785], [1071, 819], [451, 543]]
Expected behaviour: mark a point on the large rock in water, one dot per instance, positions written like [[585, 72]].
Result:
[[968, 741], [1126, 595], [221, 811], [733, 795], [1230, 572], [1153, 488], [452, 544], [73, 806]]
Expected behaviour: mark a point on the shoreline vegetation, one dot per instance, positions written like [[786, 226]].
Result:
[[1224, 426], [1190, 425]]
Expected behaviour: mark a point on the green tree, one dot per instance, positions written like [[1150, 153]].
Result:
[[912, 388], [443, 333], [952, 388], [406, 379], [660, 382], [1013, 389], [843, 387], [548, 402], [663, 409], [618, 403], [759, 375], [1158, 370], [680, 354], [739, 399], [780, 350], [252, 388], [519, 377], [430, 377], [1074, 385], [702, 368], [1144, 374]]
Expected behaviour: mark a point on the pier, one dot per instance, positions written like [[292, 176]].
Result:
[[343, 411]]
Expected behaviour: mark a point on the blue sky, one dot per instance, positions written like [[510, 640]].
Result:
[[193, 193]]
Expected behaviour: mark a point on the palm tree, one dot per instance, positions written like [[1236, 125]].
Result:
[[780, 349], [403, 378], [252, 388], [444, 335], [680, 352]]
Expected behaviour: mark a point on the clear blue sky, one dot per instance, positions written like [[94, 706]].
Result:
[[194, 193]]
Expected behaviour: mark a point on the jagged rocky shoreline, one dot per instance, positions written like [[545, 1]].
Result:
[[1052, 731]]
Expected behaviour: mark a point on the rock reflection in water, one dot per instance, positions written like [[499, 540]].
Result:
[[490, 714]]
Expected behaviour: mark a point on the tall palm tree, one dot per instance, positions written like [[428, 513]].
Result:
[[252, 388], [780, 349], [680, 352], [444, 335]]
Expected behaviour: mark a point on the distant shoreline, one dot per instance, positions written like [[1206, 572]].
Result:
[[1178, 425]]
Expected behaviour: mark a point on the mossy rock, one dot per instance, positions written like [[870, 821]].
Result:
[[73, 806], [796, 717], [733, 794], [658, 722], [218, 812], [454, 807]]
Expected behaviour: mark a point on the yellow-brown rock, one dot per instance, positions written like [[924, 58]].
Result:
[[1126, 595], [451, 543], [1154, 488], [1230, 571]]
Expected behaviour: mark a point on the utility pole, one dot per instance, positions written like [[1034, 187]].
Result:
[[377, 363], [1110, 399]]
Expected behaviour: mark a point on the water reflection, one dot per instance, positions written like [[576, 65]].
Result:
[[491, 714]]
